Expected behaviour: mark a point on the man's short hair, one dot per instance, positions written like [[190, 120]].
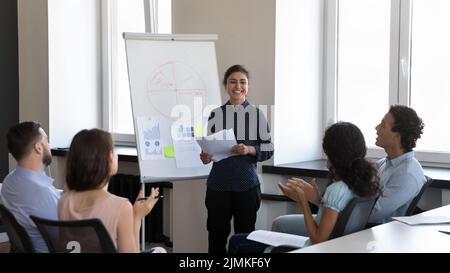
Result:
[[22, 137], [408, 124]]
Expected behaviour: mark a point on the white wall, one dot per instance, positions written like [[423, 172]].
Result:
[[298, 81], [246, 30]]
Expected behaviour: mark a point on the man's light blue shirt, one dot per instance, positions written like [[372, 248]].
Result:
[[401, 180], [26, 192]]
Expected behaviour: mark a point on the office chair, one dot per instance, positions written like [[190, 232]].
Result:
[[2, 228], [412, 208], [18, 237], [353, 218], [79, 236]]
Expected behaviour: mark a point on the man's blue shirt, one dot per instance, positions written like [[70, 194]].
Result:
[[26, 192], [401, 179]]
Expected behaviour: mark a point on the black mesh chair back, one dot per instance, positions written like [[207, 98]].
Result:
[[354, 217], [79, 236], [18, 237], [413, 205]]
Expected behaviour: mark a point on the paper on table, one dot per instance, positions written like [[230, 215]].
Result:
[[423, 220], [273, 238], [219, 144]]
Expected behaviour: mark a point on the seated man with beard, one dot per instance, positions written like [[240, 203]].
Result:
[[27, 190]]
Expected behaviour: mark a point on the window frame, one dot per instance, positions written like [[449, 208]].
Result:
[[399, 71], [107, 20]]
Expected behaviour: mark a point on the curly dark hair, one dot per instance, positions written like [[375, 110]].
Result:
[[408, 124], [233, 69], [344, 145]]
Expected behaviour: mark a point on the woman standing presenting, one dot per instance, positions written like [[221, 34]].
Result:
[[233, 188]]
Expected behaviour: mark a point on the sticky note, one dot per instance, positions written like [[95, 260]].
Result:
[[198, 130], [169, 151]]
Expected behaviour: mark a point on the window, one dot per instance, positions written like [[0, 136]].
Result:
[[125, 16], [128, 16], [390, 52], [363, 63], [430, 71]]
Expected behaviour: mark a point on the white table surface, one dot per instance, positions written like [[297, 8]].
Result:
[[391, 237]]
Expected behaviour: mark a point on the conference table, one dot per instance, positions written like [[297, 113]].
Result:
[[394, 236]]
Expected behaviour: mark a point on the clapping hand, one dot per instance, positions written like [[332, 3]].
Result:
[[301, 191], [294, 192], [310, 189]]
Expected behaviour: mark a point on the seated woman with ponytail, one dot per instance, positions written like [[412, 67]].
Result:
[[351, 175]]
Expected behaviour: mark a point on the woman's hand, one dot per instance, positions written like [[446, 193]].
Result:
[[142, 206], [294, 192], [289, 192], [242, 149], [310, 189], [205, 157]]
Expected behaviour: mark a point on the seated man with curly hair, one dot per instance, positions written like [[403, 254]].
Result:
[[401, 175]]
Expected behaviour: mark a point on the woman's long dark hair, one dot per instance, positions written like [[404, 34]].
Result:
[[88, 161], [345, 148]]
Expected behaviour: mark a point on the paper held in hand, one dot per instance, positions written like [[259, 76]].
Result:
[[219, 144], [273, 238]]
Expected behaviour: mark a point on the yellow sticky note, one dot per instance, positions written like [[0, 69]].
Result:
[[169, 151], [198, 130]]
